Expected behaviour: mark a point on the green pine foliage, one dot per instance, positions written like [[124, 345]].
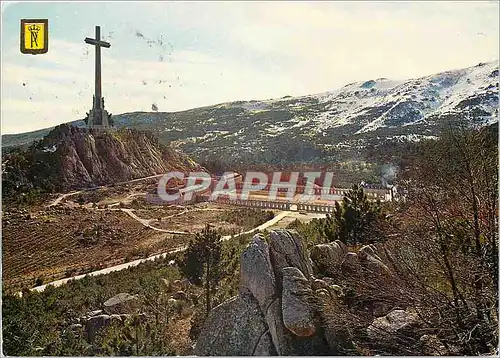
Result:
[[356, 220], [38, 324], [202, 262]]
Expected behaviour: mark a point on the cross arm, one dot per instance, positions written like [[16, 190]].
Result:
[[98, 43]]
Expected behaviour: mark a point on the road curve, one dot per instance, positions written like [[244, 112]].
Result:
[[126, 265], [63, 196], [145, 222]]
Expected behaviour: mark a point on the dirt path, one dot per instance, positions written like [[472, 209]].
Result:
[[64, 196], [126, 265], [146, 222], [264, 226]]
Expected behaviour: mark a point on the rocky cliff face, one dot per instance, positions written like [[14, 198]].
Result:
[[72, 158], [282, 309]]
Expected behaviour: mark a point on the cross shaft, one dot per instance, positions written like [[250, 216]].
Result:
[[98, 44]]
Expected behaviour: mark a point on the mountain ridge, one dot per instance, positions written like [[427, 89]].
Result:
[[327, 125]]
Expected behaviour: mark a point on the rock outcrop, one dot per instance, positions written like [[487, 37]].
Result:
[[298, 312], [73, 158], [283, 309], [328, 255], [241, 330], [257, 274], [368, 257], [274, 312]]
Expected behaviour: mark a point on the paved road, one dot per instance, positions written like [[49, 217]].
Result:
[[126, 265], [264, 226], [145, 222]]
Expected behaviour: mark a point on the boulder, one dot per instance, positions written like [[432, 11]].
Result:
[[395, 322], [287, 343], [287, 250], [280, 336], [329, 286], [265, 346], [370, 249], [372, 262], [350, 265], [257, 274], [366, 250], [298, 313], [120, 303], [235, 327], [369, 254], [328, 256]]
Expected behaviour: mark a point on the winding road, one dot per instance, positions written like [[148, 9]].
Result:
[[126, 265], [146, 223], [64, 196]]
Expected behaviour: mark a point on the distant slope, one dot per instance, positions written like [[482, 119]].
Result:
[[12, 140], [326, 126], [71, 158]]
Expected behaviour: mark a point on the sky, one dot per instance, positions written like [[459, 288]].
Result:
[[182, 55]]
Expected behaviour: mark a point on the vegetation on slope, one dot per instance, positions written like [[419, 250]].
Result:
[[73, 158], [442, 245]]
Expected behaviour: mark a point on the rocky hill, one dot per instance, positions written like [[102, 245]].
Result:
[[327, 126], [282, 309], [73, 158]]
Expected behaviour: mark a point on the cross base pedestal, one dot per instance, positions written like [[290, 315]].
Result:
[[98, 118]]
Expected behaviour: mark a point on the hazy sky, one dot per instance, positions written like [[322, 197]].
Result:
[[181, 55]]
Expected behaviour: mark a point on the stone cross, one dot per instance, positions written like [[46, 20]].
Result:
[[98, 116]]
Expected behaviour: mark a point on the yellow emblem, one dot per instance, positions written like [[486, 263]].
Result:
[[34, 36]]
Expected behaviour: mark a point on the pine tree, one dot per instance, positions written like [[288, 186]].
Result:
[[356, 221], [203, 260]]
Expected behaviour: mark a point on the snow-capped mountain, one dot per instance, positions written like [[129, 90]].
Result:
[[329, 124]]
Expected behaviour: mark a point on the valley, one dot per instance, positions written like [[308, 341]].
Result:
[[95, 262], [81, 232]]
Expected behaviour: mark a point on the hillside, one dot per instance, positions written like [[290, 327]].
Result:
[[329, 126], [406, 278], [72, 158]]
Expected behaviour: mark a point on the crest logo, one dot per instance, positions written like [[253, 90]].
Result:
[[34, 36]]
